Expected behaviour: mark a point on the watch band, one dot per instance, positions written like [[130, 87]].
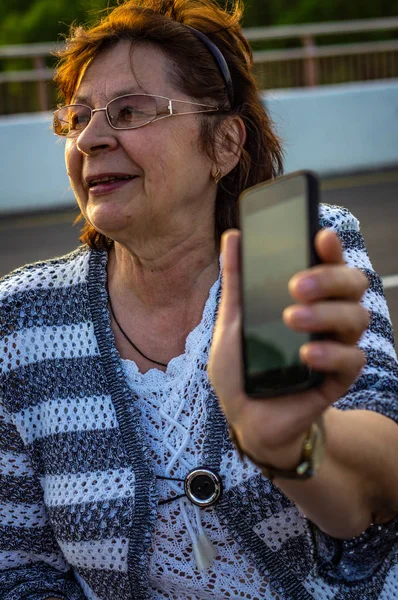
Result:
[[312, 452]]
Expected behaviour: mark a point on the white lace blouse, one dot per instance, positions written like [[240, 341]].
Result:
[[172, 405]]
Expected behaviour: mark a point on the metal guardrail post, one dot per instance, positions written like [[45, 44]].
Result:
[[310, 65], [39, 63]]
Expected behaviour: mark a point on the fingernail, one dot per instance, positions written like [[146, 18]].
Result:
[[306, 285], [314, 353], [302, 315]]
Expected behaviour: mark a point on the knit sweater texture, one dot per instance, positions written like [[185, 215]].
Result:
[[78, 493]]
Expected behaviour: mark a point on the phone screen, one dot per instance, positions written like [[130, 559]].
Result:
[[277, 236]]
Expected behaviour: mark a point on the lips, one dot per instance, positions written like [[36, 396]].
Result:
[[107, 178]]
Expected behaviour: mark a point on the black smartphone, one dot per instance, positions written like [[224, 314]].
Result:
[[278, 220]]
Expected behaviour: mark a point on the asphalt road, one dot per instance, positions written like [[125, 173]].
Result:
[[372, 197]]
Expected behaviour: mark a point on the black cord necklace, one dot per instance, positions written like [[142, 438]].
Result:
[[156, 362]]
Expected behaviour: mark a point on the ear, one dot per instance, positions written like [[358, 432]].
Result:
[[230, 141]]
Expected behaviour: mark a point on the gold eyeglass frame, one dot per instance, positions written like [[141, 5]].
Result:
[[171, 112]]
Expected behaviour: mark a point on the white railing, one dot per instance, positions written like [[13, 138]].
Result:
[[307, 65]]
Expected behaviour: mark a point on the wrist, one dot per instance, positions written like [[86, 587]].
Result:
[[299, 460], [283, 457]]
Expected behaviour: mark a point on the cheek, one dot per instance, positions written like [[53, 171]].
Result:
[[177, 161], [73, 161]]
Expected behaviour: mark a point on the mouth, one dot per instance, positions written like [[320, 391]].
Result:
[[100, 180]]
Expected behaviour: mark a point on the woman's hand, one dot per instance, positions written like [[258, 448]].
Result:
[[328, 300]]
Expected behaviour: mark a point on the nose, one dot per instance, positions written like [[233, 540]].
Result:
[[98, 135]]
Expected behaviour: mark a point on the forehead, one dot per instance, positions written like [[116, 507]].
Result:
[[125, 68]]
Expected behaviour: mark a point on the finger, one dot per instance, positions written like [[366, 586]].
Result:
[[230, 295], [328, 281], [346, 321], [328, 247], [345, 362]]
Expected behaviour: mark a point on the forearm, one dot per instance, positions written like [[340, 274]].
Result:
[[357, 483]]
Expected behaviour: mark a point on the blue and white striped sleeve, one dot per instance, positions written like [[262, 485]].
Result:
[[31, 564], [359, 559], [377, 387]]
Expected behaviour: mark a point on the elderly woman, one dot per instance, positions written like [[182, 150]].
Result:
[[119, 477]]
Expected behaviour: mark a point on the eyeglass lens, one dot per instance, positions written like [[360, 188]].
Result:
[[125, 112]]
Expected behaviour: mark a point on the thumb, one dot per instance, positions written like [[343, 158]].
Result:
[[230, 296], [225, 351], [328, 247]]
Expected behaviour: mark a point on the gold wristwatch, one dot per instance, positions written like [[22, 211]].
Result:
[[312, 453]]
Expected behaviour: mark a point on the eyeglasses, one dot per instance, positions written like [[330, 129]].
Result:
[[124, 112]]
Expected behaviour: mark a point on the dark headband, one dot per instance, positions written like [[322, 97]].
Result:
[[220, 60]]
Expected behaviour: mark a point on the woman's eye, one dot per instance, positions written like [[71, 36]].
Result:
[[78, 121], [127, 113]]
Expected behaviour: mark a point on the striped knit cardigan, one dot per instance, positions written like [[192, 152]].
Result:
[[77, 490]]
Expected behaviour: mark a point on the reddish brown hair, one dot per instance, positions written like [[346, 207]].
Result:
[[162, 22]]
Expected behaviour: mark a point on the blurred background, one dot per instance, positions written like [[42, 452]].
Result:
[[329, 75]]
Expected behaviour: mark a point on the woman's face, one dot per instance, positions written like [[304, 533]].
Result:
[[172, 184]]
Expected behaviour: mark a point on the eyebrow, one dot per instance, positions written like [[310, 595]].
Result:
[[84, 100]]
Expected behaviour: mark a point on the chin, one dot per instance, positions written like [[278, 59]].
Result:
[[111, 223], [111, 228]]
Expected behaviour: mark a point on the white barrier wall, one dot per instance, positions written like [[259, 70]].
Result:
[[32, 167], [331, 129], [336, 129]]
